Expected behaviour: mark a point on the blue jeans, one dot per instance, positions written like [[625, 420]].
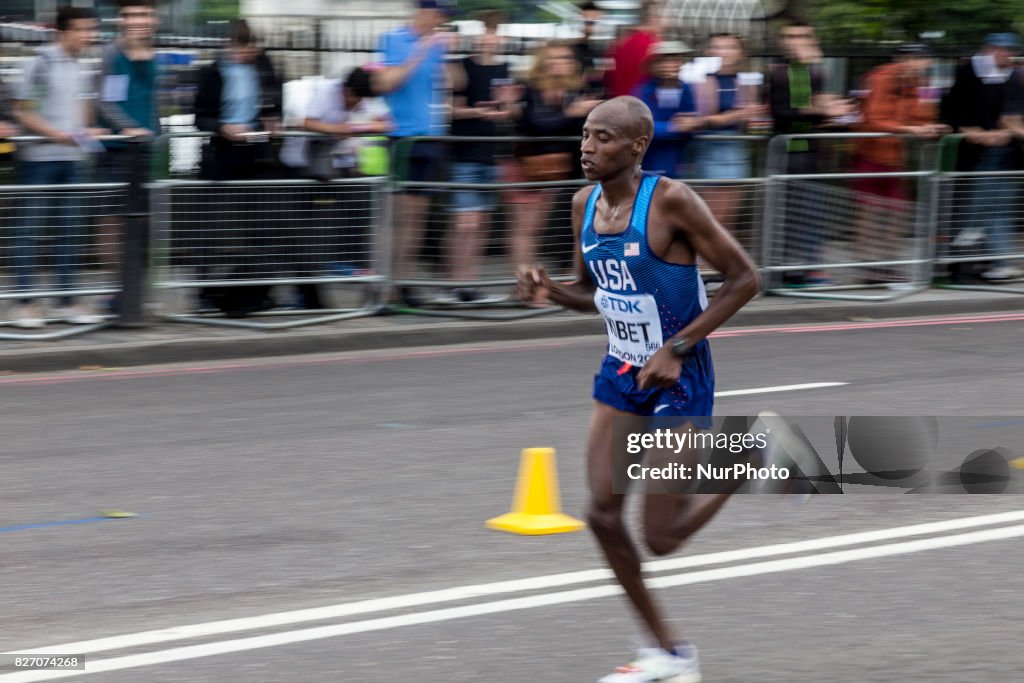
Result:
[[473, 200], [993, 199], [33, 225]]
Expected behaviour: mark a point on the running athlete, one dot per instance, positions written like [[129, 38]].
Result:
[[638, 236]]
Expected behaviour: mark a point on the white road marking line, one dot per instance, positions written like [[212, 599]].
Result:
[[513, 586], [513, 604], [784, 387]]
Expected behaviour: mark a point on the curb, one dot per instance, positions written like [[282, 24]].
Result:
[[178, 349]]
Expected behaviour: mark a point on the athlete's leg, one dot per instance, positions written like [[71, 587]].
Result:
[[605, 513], [672, 518]]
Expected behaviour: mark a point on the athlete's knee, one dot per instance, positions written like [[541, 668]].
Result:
[[604, 519], [661, 544]]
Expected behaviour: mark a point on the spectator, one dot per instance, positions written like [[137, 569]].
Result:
[[555, 104], [588, 52], [985, 88], [56, 101], [349, 114], [728, 106], [345, 111], [412, 81], [674, 107], [893, 105], [800, 105], [484, 98], [629, 55], [238, 100], [128, 106]]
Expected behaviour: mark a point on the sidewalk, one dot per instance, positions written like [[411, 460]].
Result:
[[164, 342]]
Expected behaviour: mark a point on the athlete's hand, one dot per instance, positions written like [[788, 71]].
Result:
[[534, 284], [662, 370]]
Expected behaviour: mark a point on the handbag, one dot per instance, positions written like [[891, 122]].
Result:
[[545, 167]]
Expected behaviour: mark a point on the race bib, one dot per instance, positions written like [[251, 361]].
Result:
[[633, 324]]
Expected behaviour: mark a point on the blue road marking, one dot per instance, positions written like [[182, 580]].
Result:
[[68, 522]]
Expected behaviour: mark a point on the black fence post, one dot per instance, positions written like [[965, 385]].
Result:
[[134, 242]]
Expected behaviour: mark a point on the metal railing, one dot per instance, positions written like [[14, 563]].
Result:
[[64, 242], [830, 234], [978, 216], [723, 173], [216, 241], [212, 237], [485, 213]]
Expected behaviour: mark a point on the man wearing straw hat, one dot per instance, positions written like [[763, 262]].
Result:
[[673, 105]]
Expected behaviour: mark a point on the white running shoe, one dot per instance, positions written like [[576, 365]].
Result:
[[1003, 273], [968, 237], [654, 665], [28, 316], [77, 315]]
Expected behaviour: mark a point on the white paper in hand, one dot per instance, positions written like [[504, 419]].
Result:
[[115, 88]]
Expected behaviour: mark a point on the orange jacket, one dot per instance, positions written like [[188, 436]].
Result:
[[892, 103]]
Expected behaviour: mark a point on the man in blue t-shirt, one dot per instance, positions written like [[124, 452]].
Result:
[[411, 80]]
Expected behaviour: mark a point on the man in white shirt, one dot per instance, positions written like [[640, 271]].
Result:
[[348, 112]]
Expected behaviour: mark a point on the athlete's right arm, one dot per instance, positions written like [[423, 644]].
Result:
[[535, 284]]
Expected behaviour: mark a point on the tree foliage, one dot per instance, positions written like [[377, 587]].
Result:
[[217, 10], [514, 10], [963, 22]]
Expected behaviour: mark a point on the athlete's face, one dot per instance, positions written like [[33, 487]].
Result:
[[606, 148]]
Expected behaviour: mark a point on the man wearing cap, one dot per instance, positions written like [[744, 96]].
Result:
[[985, 88], [673, 105], [412, 80]]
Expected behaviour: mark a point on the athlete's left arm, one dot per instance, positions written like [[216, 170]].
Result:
[[690, 219]]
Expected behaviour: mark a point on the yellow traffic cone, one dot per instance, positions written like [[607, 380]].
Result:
[[536, 509]]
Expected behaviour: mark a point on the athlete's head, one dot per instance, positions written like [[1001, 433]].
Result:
[[615, 138]]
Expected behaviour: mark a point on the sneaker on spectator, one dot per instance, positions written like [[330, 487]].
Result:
[[445, 299], [468, 295], [818, 278], [28, 316], [1003, 273], [78, 314], [968, 237], [409, 297]]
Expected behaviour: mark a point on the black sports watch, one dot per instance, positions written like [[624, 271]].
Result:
[[681, 348]]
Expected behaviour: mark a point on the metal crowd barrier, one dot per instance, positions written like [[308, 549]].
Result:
[[224, 243], [65, 243], [514, 210], [210, 238], [978, 219], [512, 217], [737, 202], [828, 235]]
